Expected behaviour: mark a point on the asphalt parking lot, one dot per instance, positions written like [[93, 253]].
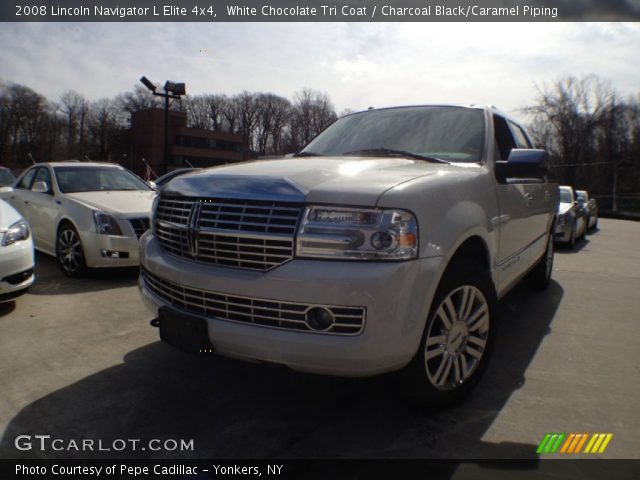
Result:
[[78, 359]]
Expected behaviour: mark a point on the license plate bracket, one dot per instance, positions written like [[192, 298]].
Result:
[[184, 331]]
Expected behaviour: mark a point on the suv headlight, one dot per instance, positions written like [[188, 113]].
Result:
[[357, 234], [106, 224], [17, 231]]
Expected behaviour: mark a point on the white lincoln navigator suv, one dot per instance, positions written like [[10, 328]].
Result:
[[384, 244]]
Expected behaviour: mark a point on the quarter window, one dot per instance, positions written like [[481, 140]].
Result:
[[42, 176], [520, 137], [25, 181], [504, 139]]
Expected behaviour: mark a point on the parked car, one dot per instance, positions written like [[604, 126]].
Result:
[[16, 254], [385, 243], [572, 218], [84, 214], [590, 206], [6, 177], [162, 179]]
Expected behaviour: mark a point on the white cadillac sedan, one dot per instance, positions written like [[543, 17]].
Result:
[[16, 254], [84, 214]]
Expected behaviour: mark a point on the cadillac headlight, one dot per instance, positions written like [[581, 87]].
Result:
[[357, 234], [16, 232], [561, 219], [106, 224]]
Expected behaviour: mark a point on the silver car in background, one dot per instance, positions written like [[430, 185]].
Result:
[[591, 208], [571, 221], [84, 214]]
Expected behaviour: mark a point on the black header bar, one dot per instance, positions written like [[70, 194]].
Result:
[[318, 10]]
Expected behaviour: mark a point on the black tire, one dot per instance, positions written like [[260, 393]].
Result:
[[69, 251], [572, 239], [583, 236], [540, 277], [437, 375]]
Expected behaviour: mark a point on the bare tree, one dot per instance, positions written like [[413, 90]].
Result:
[[106, 121], [231, 115], [273, 114], [572, 108], [312, 112], [140, 99], [206, 111], [25, 117], [74, 107]]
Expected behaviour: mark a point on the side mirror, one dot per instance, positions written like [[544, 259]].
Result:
[[522, 163], [40, 187], [6, 193]]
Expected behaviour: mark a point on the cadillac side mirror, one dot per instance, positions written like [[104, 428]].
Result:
[[40, 187], [6, 193]]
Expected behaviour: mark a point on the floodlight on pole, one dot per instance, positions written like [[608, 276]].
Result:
[[170, 90], [147, 83]]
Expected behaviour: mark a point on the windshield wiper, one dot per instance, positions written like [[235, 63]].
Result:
[[391, 151], [308, 154]]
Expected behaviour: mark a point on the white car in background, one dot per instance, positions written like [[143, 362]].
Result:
[[84, 214], [571, 223], [16, 254]]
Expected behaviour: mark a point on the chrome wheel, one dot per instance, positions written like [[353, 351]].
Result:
[[70, 253], [457, 338]]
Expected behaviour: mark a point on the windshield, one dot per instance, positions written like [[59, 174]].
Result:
[[455, 134], [565, 195], [581, 196], [6, 178], [92, 179]]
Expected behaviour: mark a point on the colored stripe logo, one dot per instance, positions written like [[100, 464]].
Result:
[[574, 443]]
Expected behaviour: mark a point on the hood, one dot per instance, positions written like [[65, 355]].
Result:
[[345, 180], [124, 202], [8, 216]]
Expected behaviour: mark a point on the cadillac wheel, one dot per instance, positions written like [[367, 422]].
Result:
[[458, 336], [69, 251]]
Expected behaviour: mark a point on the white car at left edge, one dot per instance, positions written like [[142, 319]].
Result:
[[16, 254], [87, 215]]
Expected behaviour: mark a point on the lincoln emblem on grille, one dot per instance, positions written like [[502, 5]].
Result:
[[192, 228]]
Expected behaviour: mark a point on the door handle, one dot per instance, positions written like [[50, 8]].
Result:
[[529, 198], [26, 202]]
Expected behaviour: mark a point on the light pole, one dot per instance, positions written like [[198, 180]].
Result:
[[170, 90]]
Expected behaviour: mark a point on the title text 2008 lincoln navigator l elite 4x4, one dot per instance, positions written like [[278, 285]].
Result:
[[385, 243]]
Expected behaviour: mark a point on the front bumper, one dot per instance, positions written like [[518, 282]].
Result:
[[16, 265], [100, 250], [563, 232], [396, 297]]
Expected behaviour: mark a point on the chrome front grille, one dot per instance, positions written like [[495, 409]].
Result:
[[140, 225], [254, 311], [248, 234]]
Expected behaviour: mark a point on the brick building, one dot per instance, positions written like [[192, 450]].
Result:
[[195, 146]]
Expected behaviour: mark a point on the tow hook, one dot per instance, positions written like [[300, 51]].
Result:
[[155, 323]]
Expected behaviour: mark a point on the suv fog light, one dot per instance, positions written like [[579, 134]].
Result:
[[319, 318]]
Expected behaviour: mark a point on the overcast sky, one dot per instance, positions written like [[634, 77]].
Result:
[[357, 64]]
